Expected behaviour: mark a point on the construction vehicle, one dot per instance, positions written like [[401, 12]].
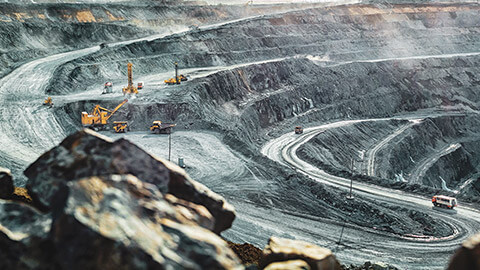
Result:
[[444, 201], [130, 89], [98, 119], [48, 102], [181, 163], [177, 79], [140, 85], [298, 130], [161, 128], [107, 88], [120, 126]]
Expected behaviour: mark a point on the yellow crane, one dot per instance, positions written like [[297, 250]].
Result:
[[130, 89], [98, 119]]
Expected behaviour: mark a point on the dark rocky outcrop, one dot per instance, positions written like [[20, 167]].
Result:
[[6, 183], [86, 153], [468, 256], [291, 265], [281, 250], [23, 237], [100, 216], [119, 222]]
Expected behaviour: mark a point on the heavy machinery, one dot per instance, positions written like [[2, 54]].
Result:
[[48, 102], [298, 130], [120, 126], [130, 89], [98, 119], [177, 79], [444, 201], [107, 88], [161, 128]]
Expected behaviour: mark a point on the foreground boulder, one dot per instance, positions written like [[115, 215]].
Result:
[[290, 265], [281, 250], [468, 256], [87, 153], [24, 240], [6, 183], [120, 222]]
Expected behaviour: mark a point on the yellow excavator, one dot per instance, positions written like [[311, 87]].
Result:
[[98, 119], [48, 102], [130, 89]]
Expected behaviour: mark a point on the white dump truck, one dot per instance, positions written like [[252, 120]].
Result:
[[444, 201]]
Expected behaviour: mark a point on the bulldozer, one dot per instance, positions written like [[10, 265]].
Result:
[[130, 89], [48, 102], [177, 79], [161, 128], [98, 119], [120, 126]]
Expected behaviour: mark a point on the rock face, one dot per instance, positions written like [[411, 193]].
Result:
[[281, 250], [23, 237], [87, 153], [119, 222], [290, 265], [6, 183], [111, 222], [468, 256], [99, 215]]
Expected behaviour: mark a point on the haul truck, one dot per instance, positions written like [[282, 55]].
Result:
[[444, 201]]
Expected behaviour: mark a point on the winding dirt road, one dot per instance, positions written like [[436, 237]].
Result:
[[409, 252]]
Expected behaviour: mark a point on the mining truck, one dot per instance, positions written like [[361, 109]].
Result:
[[107, 88], [161, 128], [444, 201], [98, 119], [120, 126], [298, 130]]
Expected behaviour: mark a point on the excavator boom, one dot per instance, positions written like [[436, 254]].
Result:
[[116, 108], [99, 116]]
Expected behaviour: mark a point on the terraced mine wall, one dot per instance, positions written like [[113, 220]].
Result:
[[35, 30], [345, 33]]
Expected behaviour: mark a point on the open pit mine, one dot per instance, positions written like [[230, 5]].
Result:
[[228, 134]]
